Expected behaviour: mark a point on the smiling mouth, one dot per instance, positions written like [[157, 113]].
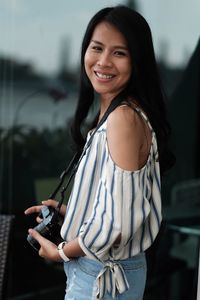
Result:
[[103, 76]]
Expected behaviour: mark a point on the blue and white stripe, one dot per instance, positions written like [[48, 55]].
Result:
[[107, 201]]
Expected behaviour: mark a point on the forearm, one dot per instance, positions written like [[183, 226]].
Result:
[[73, 249]]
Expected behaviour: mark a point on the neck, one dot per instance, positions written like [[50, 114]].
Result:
[[104, 104]]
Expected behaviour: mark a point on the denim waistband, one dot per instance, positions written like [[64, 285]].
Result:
[[110, 274], [133, 262]]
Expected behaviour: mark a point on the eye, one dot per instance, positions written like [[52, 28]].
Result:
[[120, 53], [96, 48]]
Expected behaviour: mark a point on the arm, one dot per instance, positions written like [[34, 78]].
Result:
[[49, 250]]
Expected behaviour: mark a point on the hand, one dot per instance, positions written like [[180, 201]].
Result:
[[48, 249], [37, 208]]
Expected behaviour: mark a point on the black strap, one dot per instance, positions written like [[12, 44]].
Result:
[[74, 163]]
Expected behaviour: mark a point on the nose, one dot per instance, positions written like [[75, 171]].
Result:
[[104, 60]]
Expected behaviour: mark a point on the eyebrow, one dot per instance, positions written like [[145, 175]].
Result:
[[115, 47]]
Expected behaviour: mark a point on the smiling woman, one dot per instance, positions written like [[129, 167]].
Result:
[[114, 212], [107, 61]]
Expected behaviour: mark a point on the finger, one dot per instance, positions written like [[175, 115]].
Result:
[[41, 253], [63, 210], [33, 209], [54, 203], [36, 236], [50, 202], [39, 220]]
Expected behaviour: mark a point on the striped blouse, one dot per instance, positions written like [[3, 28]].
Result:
[[107, 201]]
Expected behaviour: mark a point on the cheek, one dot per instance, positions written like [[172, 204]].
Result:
[[87, 61], [126, 71]]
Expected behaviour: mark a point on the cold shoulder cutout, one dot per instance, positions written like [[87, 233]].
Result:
[[126, 136]]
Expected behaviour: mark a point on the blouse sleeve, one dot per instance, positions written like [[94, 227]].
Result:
[[103, 227], [115, 211]]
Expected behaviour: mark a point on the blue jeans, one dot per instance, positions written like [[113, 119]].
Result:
[[82, 272]]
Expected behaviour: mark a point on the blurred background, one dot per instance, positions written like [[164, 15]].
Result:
[[39, 72]]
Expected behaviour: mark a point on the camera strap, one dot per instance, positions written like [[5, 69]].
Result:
[[74, 163]]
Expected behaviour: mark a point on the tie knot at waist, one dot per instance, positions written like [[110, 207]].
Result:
[[111, 279]]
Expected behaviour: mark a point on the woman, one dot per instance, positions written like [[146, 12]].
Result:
[[114, 211]]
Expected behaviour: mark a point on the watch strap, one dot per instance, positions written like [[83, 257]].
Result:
[[61, 252]]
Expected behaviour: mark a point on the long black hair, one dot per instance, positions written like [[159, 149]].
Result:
[[144, 85]]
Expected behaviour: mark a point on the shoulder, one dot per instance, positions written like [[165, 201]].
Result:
[[125, 135], [125, 120]]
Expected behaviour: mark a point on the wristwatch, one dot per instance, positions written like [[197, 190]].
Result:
[[61, 252]]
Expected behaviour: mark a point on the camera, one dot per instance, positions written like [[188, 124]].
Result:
[[48, 228]]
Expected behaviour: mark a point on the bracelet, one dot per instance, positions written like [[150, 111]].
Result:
[[61, 252]]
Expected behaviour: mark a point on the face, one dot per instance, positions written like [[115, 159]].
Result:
[[107, 61]]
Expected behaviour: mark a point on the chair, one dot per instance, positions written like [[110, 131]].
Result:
[[5, 229], [198, 280], [162, 268], [184, 191], [185, 197], [170, 252]]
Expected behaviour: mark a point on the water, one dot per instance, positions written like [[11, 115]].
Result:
[[31, 107]]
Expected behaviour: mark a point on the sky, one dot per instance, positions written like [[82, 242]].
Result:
[[33, 31]]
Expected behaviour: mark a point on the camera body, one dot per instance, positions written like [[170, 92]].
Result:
[[48, 228]]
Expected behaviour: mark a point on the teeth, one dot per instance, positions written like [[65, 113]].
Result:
[[104, 76]]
